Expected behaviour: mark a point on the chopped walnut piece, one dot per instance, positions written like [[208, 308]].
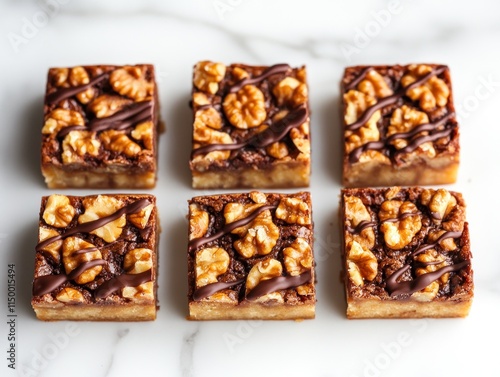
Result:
[[298, 257], [76, 252], [294, 211], [434, 92], [118, 141], [140, 219], [60, 76], [405, 119], [257, 197], [246, 108], [79, 76], [264, 270], [361, 264], [144, 132], [58, 211], [138, 260], [256, 238], [448, 244], [106, 105], [207, 76], [355, 213], [374, 85], [53, 248], [130, 82], [440, 203], [61, 118], [144, 292], [198, 222], [431, 262], [277, 150], [77, 144], [400, 222], [300, 139], [290, 91], [99, 207], [200, 99], [210, 264], [70, 296]]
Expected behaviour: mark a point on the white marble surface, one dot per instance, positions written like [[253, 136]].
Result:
[[324, 35]]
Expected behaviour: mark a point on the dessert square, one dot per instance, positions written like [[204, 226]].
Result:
[[250, 256], [251, 126], [96, 258], [101, 126], [400, 127], [406, 253]]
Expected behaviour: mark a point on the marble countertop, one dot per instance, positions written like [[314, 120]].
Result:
[[324, 35]]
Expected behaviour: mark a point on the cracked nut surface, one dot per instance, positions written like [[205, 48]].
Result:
[[54, 248], [70, 296], [290, 91], [374, 85], [61, 118], [140, 219], [102, 206], [73, 257], [298, 257], [59, 76], [207, 76], [294, 211], [58, 211], [257, 237], [130, 82], [77, 144], [361, 264], [432, 262], [144, 132], [198, 221], [246, 108], [400, 222], [138, 260], [264, 270], [143, 292], [106, 105], [118, 141], [355, 213], [210, 264], [79, 76], [434, 92]]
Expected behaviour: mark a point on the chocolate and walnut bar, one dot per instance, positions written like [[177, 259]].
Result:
[[250, 256], [101, 126], [400, 126], [96, 258], [406, 253], [251, 126]]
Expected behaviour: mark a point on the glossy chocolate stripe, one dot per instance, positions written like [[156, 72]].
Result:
[[411, 286], [277, 283], [443, 237], [123, 118], [66, 130], [86, 250], [361, 226], [46, 284], [122, 281], [272, 134], [274, 69], [210, 289], [93, 225], [372, 145], [358, 79], [391, 99], [64, 93], [197, 242], [424, 139]]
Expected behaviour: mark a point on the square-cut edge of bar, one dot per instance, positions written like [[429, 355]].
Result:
[[97, 258]]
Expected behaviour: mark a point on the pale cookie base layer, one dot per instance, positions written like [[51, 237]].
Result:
[[435, 171], [200, 311], [126, 312], [60, 179], [276, 177], [372, 308]]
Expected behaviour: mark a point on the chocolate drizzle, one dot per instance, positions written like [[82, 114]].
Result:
[[136, 113], [358, 79], [122, 281], [389, 100], [93, 225], [270, 135], [361, 226], [210, 289], [272, 70], [48, 283], [64, 93], [280, 282], [408, 287], [197, 242]]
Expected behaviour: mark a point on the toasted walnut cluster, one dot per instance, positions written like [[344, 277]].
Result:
[[208, 75], [361, 263], [434, 92], [106, 105], [294, 211], [431, 261], [357, 213], [246, 108], [131, 82], [61, 118], [444, 209], [264, 270], [58, 211], [291, 92], [401, 221], [73, 257], [211, 262]]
